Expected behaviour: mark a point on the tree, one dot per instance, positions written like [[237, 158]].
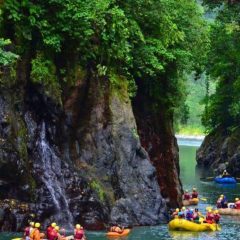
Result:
[[224, 66]]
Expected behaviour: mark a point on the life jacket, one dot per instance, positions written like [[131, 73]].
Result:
[[35, 234], [49, 230], [219, 204], [237, 204], [79, 233], [27, 231], [189, 216], [217, 217], [196, 216], [186, 196], [210, 217], [194, 194], [53, 235], [181, 215]]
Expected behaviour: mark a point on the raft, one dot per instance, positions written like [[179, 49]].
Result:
[[225, 180], [193, 201], [229, 211], [185, 225], [115, 234], [65, 238]]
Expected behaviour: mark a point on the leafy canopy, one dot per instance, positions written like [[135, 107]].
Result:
[[223, 108], [151, 41]]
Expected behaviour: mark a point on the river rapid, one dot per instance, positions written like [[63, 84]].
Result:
[[190, 176]]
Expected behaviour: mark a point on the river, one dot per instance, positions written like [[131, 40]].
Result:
[[190, 176]]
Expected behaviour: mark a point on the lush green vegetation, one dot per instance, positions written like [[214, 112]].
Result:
[[188, 119], [223, 107], [155, 42], [6, 57]]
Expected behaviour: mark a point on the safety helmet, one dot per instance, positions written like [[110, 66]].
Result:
[[57, 228], [236, 199], [194, 189], [209, 210], [186, 191], [78, 226], [183, 208], [216, 211], [221, 195], [37, 225], [31, 224], [53, 224], [177, 210]]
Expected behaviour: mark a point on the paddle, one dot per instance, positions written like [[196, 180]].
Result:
[[203, 199], [207, 178]]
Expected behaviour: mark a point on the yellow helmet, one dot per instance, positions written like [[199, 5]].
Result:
[[221, 195], [177, 210], [208, 208], [216, 211], [57, 228], [78, 226], [236, 199], [31, 224], [53, 224], [183, 208], [37, 225]]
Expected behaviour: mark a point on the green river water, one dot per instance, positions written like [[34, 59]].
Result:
[[190, 176]]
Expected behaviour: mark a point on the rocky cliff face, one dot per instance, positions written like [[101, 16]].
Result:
[[221, 150], [157, 137], [81, 161]]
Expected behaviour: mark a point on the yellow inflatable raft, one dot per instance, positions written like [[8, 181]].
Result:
[[185, 225], [193, 201], [229, 211]]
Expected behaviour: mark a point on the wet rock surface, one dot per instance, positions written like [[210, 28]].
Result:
[[220, 151], [80, 162]]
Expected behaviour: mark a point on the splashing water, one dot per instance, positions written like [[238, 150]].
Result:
[[51, 177]]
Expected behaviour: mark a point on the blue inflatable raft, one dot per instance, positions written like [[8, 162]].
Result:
[[225, 180]]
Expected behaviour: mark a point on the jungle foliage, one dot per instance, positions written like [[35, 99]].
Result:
[[152, 41], [223, 107]]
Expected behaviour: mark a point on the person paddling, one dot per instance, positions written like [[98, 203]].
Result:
[[35, 234], [175, 213], [79, 233], [216, 216], [225, 174], [117, 229], [210, 216], [28, 230], [194, 193], [57, 233], [50, 229], [237, 203], [186, 195]]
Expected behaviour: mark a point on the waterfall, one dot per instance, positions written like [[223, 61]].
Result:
[[51, 177]]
